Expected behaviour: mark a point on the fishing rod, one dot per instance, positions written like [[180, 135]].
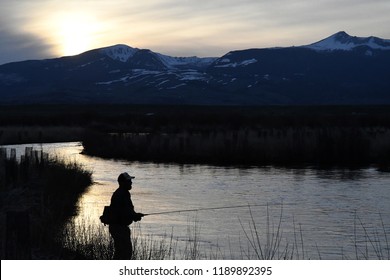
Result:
[[216, 208]]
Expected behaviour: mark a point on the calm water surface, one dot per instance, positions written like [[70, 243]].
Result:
[[330, 210]]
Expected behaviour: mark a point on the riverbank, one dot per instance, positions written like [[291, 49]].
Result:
[[22, 134], [337, 136], [333, 146], [38, 195]]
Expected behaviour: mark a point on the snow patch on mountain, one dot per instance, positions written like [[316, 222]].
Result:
[[225, 62], [192, 75], [343, 41], [119, 52], [123, 79], [174, 62]]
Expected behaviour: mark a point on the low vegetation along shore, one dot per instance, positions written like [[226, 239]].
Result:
[[290, 136], [260, 241], [291, 146], [38, 195]]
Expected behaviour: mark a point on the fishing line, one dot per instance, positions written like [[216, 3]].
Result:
[[217, 208]]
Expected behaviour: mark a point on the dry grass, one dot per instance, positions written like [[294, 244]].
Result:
[[84, 241], [45, 191], [327, 145]]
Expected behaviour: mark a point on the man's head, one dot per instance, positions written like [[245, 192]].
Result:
[[125, 180]]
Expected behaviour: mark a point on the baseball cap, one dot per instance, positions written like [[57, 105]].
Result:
[[125, 177]]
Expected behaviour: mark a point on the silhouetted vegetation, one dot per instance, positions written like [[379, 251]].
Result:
[[345, 146], [38, 195], [263, 240], [305, 135]]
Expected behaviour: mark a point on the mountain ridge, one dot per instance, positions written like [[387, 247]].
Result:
[[124, 53], [343, 41], [340, 69]]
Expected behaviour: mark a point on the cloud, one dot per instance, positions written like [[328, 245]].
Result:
[[17, 43], [21, 46], [252, 23], [187, 27]]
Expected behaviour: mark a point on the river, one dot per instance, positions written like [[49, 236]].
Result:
[[326, 214]]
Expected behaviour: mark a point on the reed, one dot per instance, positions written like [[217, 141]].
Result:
[[269, 245], [371, 243], [308, 135], [263, 241], [38, 194], [257, 145], [86, 241]]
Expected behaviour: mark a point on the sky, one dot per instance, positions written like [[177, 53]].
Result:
[[37, 29]]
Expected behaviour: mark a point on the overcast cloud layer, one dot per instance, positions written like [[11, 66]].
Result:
[[40, 28]]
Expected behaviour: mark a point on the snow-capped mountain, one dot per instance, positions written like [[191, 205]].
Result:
[[340, 69], [125, 53], [119, 52], [189, 62], [345, 42]]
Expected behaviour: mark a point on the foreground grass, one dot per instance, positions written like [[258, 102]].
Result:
[[94, 242], [42, 190], [261, 242]]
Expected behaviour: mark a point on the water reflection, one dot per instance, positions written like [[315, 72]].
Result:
[[325, 206]]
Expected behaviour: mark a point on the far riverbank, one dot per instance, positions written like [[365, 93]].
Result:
[[271, 135]]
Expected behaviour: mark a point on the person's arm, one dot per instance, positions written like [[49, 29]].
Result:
[[133, 216]]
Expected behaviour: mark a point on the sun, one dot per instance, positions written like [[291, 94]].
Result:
[[75, 33], [75, 38]]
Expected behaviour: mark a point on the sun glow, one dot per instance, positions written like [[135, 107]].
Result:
[[75, 33]]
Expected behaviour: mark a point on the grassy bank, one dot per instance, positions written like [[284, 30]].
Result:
[[258, 145], [38, 195]]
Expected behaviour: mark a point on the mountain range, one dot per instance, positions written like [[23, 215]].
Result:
[[340, 69]]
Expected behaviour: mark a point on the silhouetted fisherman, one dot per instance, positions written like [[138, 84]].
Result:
[[123, 214]]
